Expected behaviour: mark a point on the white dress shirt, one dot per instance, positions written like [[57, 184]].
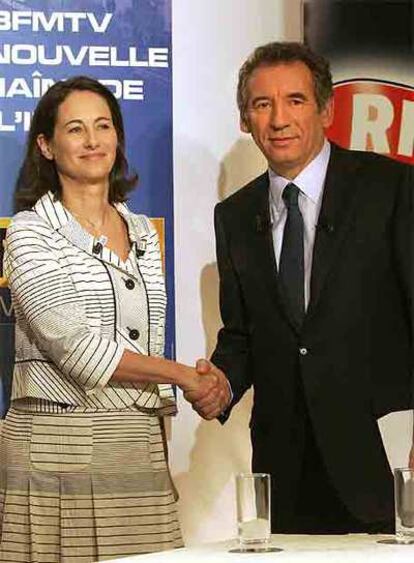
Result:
[[310, 182]]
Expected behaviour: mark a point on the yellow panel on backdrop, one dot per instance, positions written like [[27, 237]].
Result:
[[159, 224], [4, 223]]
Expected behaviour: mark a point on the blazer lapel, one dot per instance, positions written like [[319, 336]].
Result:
[[334, 219], [262, 245], [62, 221]]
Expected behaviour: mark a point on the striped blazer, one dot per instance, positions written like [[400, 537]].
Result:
[[78, 307]]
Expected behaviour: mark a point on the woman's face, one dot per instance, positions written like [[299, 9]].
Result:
[[84, 141]]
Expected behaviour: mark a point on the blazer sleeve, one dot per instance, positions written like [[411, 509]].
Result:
[[52, 311], [232, 353]]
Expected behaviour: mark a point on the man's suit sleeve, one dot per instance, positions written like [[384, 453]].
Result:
[[404, 249], [232, 353], [404, 243], [404, 229]]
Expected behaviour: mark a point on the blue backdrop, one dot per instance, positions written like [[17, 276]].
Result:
[[127, 45]]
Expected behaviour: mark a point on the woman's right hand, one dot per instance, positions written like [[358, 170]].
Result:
[[196, 386], [211, 394]]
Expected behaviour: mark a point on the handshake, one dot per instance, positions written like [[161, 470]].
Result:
[[208, 390]]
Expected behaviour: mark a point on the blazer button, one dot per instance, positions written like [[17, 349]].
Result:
[[97, 248], [303, 351], [129, 284], [133, 334]]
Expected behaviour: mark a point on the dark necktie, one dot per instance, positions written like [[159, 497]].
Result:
[[291, 264]]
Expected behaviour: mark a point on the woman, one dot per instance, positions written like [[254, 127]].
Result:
[[84, 474]]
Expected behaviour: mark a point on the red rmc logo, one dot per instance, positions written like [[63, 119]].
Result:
[[374, 115]]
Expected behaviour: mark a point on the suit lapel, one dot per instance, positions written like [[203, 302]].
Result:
[[335, 216], [262, 244]]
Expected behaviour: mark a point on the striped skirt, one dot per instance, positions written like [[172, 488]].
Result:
[[83, 486]]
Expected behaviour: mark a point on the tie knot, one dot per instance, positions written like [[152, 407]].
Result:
[[290, 195]]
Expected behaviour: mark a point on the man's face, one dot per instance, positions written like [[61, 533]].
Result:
[[283, 117]]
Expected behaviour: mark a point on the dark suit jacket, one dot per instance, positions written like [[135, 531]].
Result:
[[354, 352]]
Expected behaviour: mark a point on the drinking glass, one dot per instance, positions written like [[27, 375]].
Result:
[[404, 505], [253, 512]]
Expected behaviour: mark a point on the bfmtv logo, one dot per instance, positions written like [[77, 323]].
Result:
[[375, 115]]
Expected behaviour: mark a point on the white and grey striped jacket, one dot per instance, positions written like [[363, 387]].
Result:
[[78, 307]]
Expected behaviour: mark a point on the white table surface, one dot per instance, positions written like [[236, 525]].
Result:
[[351, 548]]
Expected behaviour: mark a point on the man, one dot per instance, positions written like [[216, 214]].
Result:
[[314, 258]]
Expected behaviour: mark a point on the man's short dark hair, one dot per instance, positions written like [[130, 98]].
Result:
[[276, 53]]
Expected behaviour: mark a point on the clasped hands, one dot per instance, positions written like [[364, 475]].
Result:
[[208, 391]]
